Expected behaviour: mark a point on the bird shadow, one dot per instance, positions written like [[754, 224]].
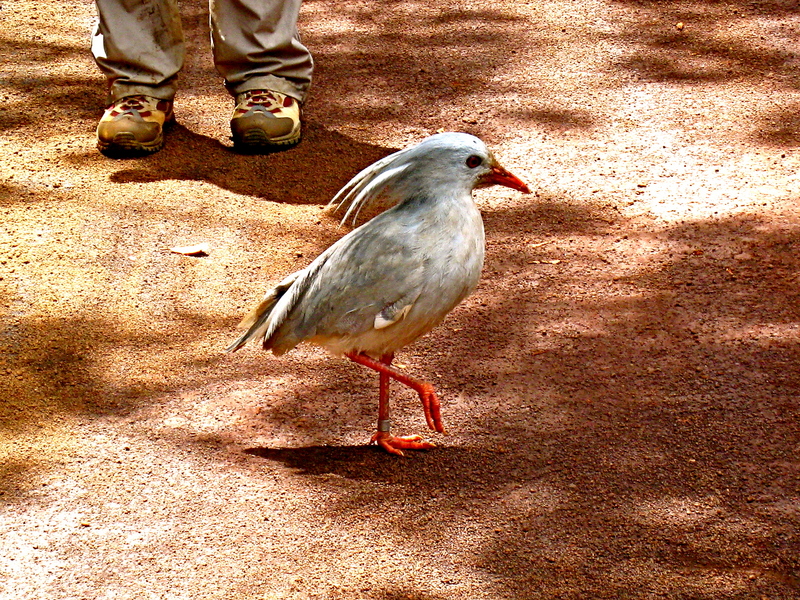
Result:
[[354, 462], [437, 468]]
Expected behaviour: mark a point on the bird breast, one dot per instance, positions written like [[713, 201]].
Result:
[[438, 253]]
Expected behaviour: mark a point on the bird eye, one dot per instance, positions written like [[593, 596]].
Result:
[[474, 161]]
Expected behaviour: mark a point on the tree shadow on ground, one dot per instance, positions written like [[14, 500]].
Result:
[[63, 92], [669, 53], [780, 127], [719, 42], [649, 436], [47, 99], [668, 408]]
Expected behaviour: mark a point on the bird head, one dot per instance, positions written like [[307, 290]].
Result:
[[443, 164], [458, 161]]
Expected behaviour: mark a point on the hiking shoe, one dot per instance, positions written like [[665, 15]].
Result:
[[265, 121], [134, 125]]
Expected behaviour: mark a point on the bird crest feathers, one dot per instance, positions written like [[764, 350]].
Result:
[[381, 179]]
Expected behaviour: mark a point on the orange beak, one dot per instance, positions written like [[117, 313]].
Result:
[[499, 176]]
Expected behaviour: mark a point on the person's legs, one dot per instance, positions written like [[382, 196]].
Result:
[[139, 47], [256, 46], [258, 51]]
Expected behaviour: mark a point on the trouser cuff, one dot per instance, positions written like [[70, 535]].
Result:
[[119, 90]]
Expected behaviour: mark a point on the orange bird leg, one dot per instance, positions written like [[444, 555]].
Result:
[[430, 404]]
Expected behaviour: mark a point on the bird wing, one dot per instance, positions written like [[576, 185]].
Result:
[[392, 313], [367, 280]]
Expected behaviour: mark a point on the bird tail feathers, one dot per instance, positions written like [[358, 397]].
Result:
[[257, 320]]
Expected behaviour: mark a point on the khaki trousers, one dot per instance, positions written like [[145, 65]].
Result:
[[139, 46]]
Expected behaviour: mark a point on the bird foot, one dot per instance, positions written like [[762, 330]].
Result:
[[430, 406], [393, 444]]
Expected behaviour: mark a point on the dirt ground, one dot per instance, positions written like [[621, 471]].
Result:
[[621, 392]]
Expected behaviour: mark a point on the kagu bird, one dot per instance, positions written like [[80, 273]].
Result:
[[396, 277]]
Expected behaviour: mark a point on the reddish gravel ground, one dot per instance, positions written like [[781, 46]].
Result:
[[621, 391]]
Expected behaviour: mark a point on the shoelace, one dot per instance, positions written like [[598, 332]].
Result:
[[263, 101], [133, 106]]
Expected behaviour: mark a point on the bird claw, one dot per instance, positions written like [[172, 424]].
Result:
[[431, 407], [393, 444]]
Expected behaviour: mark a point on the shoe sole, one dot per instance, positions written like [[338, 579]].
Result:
[[257, 139], [126, 144]]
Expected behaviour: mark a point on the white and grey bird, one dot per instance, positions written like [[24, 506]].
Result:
[[394, 278]]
